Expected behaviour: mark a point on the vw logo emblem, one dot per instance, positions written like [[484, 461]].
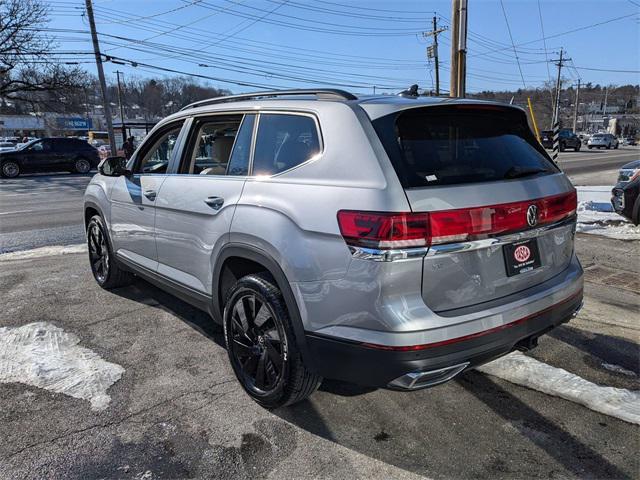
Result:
[[532, 215]]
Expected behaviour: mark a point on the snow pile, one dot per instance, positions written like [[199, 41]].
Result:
[[529, 372], [44, 252], [45, 356], [596, 215]]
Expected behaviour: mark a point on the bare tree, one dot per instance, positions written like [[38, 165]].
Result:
[[27, 68]]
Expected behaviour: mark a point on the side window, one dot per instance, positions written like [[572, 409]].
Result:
[[283, 142], [155, 159], [41, 146], [211, 146], [239, 161]]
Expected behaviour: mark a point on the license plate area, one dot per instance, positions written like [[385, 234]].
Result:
[[521, 257]]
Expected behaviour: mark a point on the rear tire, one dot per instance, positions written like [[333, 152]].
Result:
[[104, 266], [10, 169], [82, 166], [261, 344]]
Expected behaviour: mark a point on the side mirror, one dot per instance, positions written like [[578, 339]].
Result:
[[114, 167]]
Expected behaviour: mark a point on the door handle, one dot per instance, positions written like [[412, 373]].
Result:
[[150, 194], [214, 202]]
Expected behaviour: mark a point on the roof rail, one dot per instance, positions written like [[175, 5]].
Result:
[[320, 93]]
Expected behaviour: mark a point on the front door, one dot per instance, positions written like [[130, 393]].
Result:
[[133, 198], [195, 207], [39, 156]]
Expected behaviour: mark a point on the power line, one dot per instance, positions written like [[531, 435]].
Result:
[[524, 85]]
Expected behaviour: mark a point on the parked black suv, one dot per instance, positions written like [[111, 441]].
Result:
[[567, 139], [49, 154]]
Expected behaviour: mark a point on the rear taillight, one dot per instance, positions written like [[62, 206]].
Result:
[[384, 230], [402, 230]]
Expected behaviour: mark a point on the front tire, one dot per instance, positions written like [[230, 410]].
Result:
[[104, 267], [10, 169], [261, 344], [82, 165], [577, 149]]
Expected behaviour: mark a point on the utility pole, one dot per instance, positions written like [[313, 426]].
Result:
[[455, 26], [462, 50], [103, 83], [556, 112], [606, 94], [123, 127], [575, 110], [432, 51], [458, 48]]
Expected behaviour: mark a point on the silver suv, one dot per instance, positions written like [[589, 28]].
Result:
[[387, 241]]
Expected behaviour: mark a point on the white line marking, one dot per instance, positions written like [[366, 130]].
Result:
[[45, 356], [20, 211], [531, 373]]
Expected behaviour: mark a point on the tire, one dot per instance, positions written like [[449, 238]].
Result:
[[562, 147], [10, 169], [589, 147], [577, 147], [104, 267], [82, 165], [616, 147], [608, 146], [635, 213], [264, 354]]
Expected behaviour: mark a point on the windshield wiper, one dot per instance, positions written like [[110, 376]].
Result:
[[519, 172]]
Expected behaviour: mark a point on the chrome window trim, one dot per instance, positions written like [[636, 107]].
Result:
[[378, 255]]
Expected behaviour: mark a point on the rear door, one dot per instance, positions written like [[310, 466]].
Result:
[[501, 213], [195, 206], [133, 198]]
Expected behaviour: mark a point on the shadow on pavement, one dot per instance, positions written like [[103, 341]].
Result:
[[144, 292], [615, 350], [575, 456]]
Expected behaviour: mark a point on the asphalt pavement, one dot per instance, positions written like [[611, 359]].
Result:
[[40, 210], [178, 412]]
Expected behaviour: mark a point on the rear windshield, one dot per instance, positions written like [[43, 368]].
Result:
[[454, 145]]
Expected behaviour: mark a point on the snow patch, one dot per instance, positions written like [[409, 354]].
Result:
[[45, 356], [596, 215], [531, 373], [44, 252]]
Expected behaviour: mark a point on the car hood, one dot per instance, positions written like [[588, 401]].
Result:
[[631, 165]]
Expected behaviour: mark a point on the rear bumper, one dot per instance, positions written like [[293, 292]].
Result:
[[400, 367]]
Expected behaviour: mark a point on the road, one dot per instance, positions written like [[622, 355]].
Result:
[[177, 411], [38, 210]]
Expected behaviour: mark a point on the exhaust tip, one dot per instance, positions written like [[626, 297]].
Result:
[[417, 380]]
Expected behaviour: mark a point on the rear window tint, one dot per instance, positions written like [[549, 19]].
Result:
[[283, 142], [452, 145]]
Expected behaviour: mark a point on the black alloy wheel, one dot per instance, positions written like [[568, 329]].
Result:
[[82, 165], [261, 345], [258, 343], [98, 253], [10, 169], [104, 266]]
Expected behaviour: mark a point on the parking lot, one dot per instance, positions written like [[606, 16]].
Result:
[[177, 411]]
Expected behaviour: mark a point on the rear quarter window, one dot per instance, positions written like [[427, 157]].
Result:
[[284, 141], [453, 145]]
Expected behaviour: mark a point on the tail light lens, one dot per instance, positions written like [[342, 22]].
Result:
[[401, 230]]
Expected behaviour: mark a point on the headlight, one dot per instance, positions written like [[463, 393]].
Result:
[[635, 174]]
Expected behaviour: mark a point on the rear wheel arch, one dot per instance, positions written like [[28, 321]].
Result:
[[238, 260]]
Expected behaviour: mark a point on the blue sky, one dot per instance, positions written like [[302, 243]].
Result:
[[353, 44]]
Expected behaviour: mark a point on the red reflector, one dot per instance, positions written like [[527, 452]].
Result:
[[401, 230]]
